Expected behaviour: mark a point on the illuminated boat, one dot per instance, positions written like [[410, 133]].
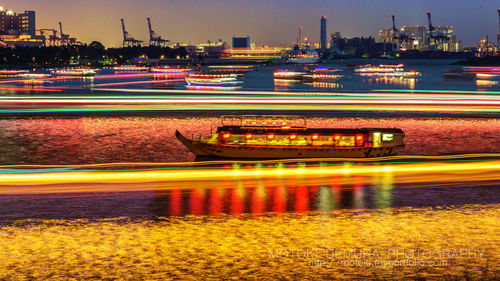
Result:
[[397, 74], [212, 82], [286, 137], [289, 75], [126, 68], [324, 70], [170, 70], [385, 70], [482, 69], [232, 68], [75, 72], [35, 75], [382, 68], [305, 76], [12, 73]]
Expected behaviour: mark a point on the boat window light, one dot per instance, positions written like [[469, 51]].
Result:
[[270, 136], [387, 137], [336, 137], [248, 136], [226, 135], [293, 136], [315, 136], [360, 140]]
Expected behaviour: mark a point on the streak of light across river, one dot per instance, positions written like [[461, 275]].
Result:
[[185, 100], [461, 168]]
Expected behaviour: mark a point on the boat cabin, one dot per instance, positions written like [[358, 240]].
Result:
[[293, 131]]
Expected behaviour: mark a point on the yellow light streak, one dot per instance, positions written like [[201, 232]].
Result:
[[483, 170]]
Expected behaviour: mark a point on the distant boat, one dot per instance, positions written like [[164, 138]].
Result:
[[459, 74], [79, 72], [12, 73], [385, 70], [130, 68], [303, 56], [212, 82], [289, 75]]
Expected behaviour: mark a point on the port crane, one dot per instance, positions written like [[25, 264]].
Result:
[[65, 39], [437, 36], [154, 39], [127, 39], [53, 39], [402, 39]]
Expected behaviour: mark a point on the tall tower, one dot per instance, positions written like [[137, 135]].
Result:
[[498, 35], [299, 39], [322, 39]]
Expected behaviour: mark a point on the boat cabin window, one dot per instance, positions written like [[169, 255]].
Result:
[[345, 141], [377, 139], [387, 137]]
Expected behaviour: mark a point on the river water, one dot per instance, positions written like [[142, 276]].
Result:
[[225, 228]]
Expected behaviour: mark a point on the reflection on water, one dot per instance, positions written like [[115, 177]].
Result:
[[383, 190], [278, 196], [328, 85], [408, 83]]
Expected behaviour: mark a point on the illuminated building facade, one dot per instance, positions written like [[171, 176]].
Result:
[[385, 35], [17, 24], [18, 29], [206, 49], [419, 36], [485, 47]]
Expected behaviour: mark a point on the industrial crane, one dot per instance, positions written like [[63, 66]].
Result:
[[155, 40], [437, 36], [402, 39], [64, 37], [395, 35], [127, 39], [53, 39]]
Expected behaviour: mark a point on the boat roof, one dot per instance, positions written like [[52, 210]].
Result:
[[303, 130], [264, 120]]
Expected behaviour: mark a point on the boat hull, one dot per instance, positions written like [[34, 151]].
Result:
[[201, 149], [303, 60], [459, 75]]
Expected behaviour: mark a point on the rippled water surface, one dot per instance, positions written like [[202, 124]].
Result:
[[86, 140], [223, 247], [255, 228]]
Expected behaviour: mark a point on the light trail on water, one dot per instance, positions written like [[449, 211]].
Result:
[[403, 172]]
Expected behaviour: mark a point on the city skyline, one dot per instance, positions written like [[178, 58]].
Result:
[[273, 23]]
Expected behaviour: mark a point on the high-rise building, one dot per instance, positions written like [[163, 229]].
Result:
[[418, 34], [385, 35], [17, 24], [241, 42], [18, 29], [322, 40]]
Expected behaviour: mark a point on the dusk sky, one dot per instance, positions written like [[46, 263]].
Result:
[[272, 22]]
